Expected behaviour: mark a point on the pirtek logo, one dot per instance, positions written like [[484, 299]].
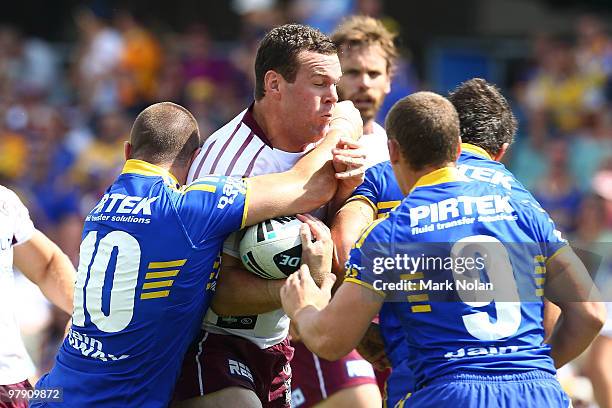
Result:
[[127, 204]]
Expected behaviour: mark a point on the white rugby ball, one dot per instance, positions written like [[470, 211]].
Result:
[[272, 249]]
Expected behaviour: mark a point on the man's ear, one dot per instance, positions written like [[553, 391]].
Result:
[[272, 82], [127, 150], [458, 149], [394, 150], [502, 152]]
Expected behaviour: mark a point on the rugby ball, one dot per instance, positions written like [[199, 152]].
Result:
[[272, 249]]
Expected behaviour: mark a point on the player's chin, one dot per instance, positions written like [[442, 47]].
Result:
[[320, 131]]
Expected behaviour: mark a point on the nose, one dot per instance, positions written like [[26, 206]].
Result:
[[332, 95], [364, 81]]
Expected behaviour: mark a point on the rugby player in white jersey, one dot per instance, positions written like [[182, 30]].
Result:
[[41, 261], [367, 55], [242, 359]]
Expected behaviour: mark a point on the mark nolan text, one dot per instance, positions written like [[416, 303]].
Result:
[[447, 285]]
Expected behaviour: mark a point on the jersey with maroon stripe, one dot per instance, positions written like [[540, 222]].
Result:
[[241, 148]]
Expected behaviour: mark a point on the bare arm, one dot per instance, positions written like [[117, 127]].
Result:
[[263, 295], [313, 181], [44, 263], [347, 226], [329, 330], [569, 286], [551, 316]]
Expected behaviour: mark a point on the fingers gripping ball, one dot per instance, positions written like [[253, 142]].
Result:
[[272, 249]]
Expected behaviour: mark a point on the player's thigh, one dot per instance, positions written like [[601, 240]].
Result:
[[360, 396], [227, 397]]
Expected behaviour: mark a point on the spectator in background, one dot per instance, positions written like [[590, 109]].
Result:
[[139, 64], [99, 57], [557, 95], [557, 191], [101, 161]]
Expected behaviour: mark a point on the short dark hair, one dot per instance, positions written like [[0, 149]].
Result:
[[279, 49], [485, 116], [164, 133], [360, 31], [426, 127]]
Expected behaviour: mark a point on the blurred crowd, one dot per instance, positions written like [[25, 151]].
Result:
[[66, 109]]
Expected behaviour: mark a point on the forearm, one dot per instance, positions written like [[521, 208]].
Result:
[[347, 226], [575, 332], [57, 282], [310, 184], [239, 292], [551, 316], [44, 263], [319, 335]]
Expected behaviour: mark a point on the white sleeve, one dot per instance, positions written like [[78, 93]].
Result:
[[23, 227], [231, 246]]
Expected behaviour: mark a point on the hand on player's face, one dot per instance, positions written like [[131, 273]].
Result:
[[347, 119], [317, 247], [300, 291], [349, 162]]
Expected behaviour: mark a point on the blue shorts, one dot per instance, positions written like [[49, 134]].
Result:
[[535, 389], [398, 385]]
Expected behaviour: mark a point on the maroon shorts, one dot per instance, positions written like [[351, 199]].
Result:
[[214, 362], [314, 379], [9, 401]]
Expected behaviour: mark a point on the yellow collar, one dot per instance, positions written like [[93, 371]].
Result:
[[468, 147], [439, 176], [144, 168]]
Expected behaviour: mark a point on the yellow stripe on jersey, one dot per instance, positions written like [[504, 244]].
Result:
[[421, 309], [201, 187], [442, 175], [363, 198], [468, 147], [144, 168], [540, 281], [167, 264], [411, 276], [367, 231], [154, 295], [158, 284], [540, 258], [423, 297], [400, 403], [163, 274], [558, 251], [540, 270], [539, 292], [247, 199], [365, 285], [382, 205]]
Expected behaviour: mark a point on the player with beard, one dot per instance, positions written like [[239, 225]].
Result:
[[367, 55]]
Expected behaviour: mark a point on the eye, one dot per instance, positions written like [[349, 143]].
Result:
[[374, 74]]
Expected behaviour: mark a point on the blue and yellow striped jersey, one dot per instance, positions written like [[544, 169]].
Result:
[[412, 257], [379, 189], [148, 264]]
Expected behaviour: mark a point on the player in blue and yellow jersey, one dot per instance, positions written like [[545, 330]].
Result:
[[150, 256], [464, 348], [487, 129]]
